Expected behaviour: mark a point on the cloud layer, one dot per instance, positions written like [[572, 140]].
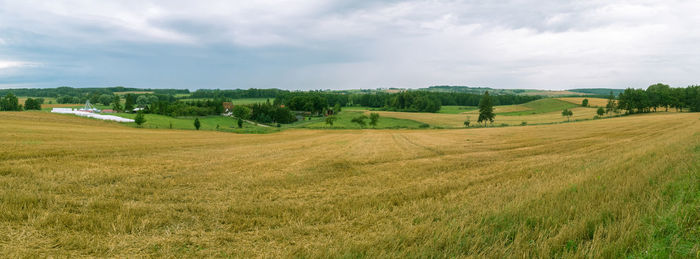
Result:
[[308, 44]]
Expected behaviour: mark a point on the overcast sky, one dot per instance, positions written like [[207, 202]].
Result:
[[329, 44]]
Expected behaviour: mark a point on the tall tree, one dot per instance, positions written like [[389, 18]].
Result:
[[32, 104], [373, 119], [10, 103], [611, 106], [567, 113], [105, 99], [585, 102], [659, 95], [242, 112], [140, 119], [486, 109], [117, 103], [130, 100], [197, 124], [142, 101]]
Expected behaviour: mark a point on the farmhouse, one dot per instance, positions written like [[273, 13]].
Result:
[[228, 107]]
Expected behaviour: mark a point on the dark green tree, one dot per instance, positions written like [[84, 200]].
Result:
[[10, 103], [659, 95], [197, 124], [242, 112], [584, 103], [240, 123], [611, 106], [373, 119], [360, 120], [142, 101], [32, 104], [330, 120], [336, 108], [129, 103], [486, 109], [117, 103], [600, 111], [140, 119], [105, 99], [567, 113]]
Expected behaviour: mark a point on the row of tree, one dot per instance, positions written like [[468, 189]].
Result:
[[659, 96], [10, 102], [237, 93], [84, 93], [169, 106], [424, 101], [410, 101]]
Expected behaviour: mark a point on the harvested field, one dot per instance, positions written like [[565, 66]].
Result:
[[622, 187]]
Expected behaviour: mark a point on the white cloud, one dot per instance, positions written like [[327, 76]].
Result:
[[6, 64], [533, 44]]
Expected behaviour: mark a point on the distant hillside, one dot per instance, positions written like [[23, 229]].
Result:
[[472, 90], [598, 91], [481, 90]]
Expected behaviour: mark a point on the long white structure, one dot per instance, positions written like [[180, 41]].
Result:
[[90, 115]]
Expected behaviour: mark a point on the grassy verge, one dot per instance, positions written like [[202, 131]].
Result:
[[456, 109], [541, 106], [218, 123], [234, 101], [345, 117]]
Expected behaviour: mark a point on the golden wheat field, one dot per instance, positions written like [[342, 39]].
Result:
[[592, 101], [620, 187], [457, 120]]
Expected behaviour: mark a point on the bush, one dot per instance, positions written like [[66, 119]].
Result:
[[360, 120], [524, 123], [424, 125], [373, 119], [140, 119], [600, 111]]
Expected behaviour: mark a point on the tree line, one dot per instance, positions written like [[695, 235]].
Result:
[[237, 93], [407, 101], [423, 101], [659, 96], [260, 112], [10, 102], [84, 93]]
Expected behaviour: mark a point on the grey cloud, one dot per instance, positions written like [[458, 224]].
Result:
[[341, 44]]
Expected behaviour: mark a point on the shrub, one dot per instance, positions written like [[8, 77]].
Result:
[[140, 119], [600, 111], [373, 119], [424, 125], [330, 120], [360, 120]]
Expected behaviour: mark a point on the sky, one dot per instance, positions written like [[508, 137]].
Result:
[[349, 44]]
